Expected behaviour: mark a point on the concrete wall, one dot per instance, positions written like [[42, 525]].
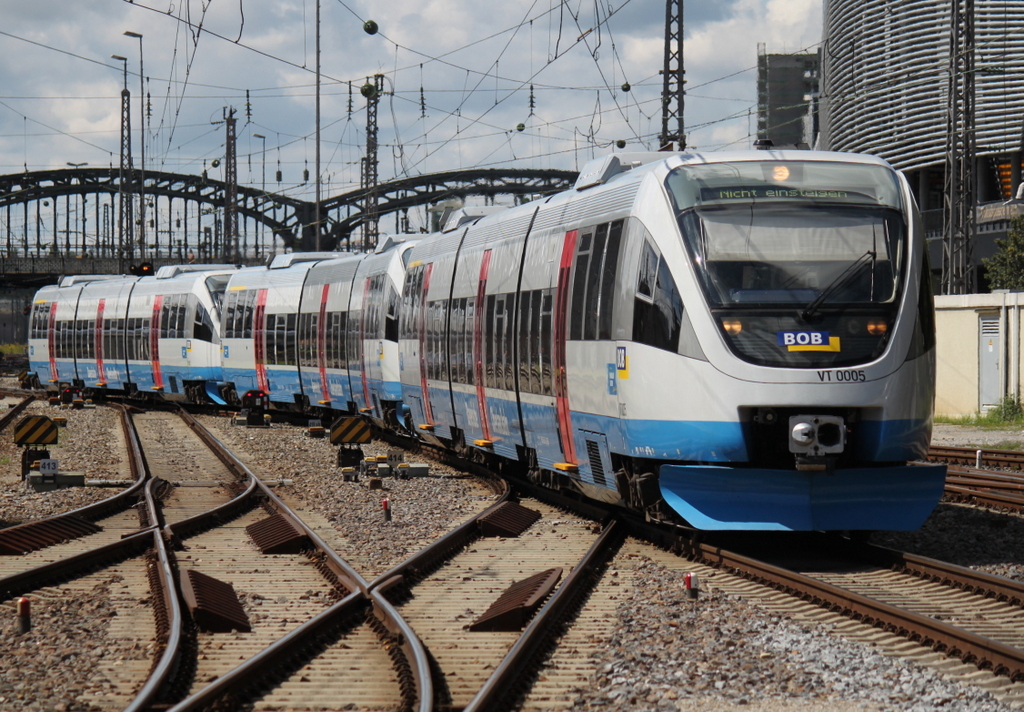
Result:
[[959, 349]]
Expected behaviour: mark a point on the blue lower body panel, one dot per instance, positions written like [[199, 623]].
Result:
[[729, 498]]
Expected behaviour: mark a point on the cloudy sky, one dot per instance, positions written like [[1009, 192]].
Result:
[[459, 77]]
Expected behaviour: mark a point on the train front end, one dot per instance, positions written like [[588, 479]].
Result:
[[814, 344]]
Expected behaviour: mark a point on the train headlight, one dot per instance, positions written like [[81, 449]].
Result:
[[816, 434], [803, 433], [877, 327], [732, 326]]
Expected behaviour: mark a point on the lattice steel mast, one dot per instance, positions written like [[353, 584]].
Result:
[[230, 191], [672, 77], [958, 274], [371, 90], [125, 214]]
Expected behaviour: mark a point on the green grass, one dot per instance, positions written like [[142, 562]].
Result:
[[1008, 414]]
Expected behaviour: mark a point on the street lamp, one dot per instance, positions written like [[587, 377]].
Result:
[[142, 148], [76, 165], [263, 180]]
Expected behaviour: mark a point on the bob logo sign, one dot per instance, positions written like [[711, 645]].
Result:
[[808, 341]]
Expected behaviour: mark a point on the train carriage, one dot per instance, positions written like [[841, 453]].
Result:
[[55, 338], [171, 334], [103, 306], [259, 332], [374, 331], [424, 343], [323, 334], [742, 337]]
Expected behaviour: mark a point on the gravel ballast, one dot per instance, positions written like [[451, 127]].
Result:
[[666, 653]]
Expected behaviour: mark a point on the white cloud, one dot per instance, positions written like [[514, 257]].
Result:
[[443, 46]]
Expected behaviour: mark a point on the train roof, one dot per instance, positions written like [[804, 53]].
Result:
[[170, 271], [602, 170], [70, 280]]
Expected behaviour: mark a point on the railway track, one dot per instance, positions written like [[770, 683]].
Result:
[[191, 506], [963, 614], [324, 637], [999, 490], [33, 544]]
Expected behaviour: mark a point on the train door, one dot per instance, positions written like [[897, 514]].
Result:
[[989, 362]]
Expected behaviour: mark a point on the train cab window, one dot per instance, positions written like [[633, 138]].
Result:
[[202, 325], [391, 319], [217, 285], [228, 308], [657, 308]]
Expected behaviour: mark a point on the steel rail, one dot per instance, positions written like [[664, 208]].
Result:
[[969, 456], [56, 572], [544, 624], [961, 577], [938, 635], [16, 410], [417, 684], [348, 576], [256, 668], [429, 558], [106, 507], [163, 673]]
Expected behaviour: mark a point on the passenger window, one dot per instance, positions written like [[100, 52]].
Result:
[[546, 329], [579, 288], [608, 275], [470, 338]]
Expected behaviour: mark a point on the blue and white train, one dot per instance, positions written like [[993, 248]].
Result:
[[740, 340]]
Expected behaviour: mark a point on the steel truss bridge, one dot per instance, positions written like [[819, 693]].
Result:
[[65, 221]]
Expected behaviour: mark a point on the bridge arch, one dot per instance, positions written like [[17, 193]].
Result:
[[72, 213]]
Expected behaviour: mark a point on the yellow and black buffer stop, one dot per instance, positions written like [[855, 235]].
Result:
[[35, 430], [350, 430]]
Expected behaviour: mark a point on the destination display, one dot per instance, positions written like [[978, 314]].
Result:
[[765, 192]]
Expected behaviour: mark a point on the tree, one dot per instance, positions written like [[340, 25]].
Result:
[[1005, 269]]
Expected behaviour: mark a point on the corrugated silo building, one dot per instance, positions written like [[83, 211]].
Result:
[[884, 88]]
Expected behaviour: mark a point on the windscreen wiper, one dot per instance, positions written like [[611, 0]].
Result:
[[868, 258]]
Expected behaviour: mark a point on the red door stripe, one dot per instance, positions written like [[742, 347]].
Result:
[[259, 339], [154, 342], [362, 343], [51, 342], [565, 432], [478, 354], [321, 345], [98, 336], [428, 411]]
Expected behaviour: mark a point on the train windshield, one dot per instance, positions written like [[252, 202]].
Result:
[[805, 252], [811, 235]]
